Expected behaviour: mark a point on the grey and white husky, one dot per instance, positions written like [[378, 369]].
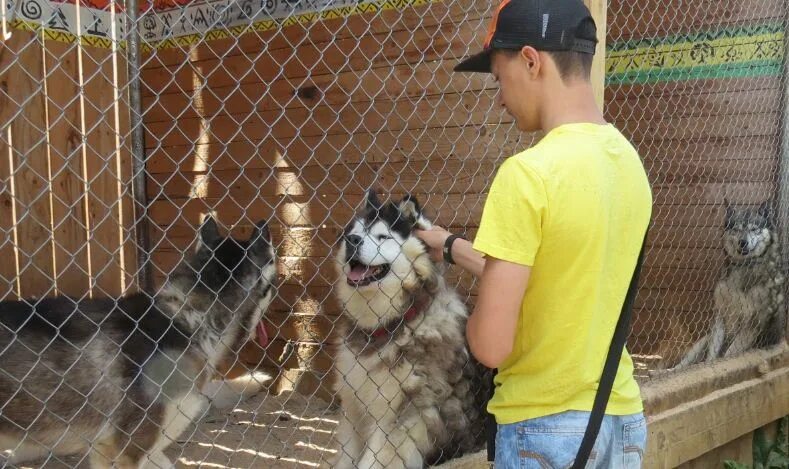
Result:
[[121, 378], [748, 299], [410, 392]]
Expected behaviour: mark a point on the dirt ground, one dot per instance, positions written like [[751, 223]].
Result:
[[277, 432], [265, 431], [282, 431]]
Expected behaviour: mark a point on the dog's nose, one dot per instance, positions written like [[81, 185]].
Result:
[[353, 241], [743, 245]]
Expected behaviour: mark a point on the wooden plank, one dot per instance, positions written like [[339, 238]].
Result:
[[723, 414], [680, 278], [734, 172], [451, 176], [445, 111], [65, 152], [9, 285], [683, 197], [739, 449], [25, 85], [695, 206], [652, 18], [690, 88], [102, 172], [9, 278], [416, 80], [740, 149], [386, 49], [450, 210], [679, 183], [320, 241], [321, 272], [424, 79], [486, 142], [124, 158], [683, 258], [405, 115], [741, 125], [470, 141], [380, 23], [725, 103]]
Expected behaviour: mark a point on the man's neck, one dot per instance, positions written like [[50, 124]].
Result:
[[576, 104]]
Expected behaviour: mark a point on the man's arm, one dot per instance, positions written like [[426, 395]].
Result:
[[463, 253], [491, 327]]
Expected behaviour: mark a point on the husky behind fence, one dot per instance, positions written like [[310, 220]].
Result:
[[292, 110], [411, 393], [122, 378], [749, 297]]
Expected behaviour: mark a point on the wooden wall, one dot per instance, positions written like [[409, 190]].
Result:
[[703, 139], [65, 195], [294, 124]]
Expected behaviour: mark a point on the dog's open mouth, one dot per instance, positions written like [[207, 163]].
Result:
[[363, 274]]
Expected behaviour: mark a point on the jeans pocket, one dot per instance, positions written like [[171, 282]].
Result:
[[551, 448], [635, 442]]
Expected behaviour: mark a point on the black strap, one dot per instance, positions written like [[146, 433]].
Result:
[[611, 366], [606, 380], [490, 422]]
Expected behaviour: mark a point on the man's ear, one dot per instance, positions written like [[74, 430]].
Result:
[[532, 60]]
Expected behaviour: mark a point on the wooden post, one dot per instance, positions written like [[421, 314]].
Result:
[[782, 203], [598, 9]]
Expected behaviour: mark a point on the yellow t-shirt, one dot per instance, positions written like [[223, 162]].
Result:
[[574, 207]]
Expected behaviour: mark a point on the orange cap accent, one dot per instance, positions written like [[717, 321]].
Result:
[[492, 26]]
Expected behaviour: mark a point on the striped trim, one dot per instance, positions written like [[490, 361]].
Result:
[[732, 53]]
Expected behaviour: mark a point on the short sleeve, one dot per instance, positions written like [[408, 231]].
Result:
[[513, 216]]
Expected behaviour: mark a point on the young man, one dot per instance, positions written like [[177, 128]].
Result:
[[561, 231]]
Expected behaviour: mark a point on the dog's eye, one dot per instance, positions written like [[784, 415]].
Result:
[[383, 237]]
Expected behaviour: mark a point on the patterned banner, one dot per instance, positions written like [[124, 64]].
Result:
[[66, 22], [730, 53], [725, 53], [231, 18], [175, 23]]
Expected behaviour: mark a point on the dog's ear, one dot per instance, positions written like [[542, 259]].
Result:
[[371, 200], [411, 209], [765, 210], [728, 220], [209, 231], [409, 206], [260, 239]]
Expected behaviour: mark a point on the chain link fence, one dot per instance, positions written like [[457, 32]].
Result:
[[123, 125]]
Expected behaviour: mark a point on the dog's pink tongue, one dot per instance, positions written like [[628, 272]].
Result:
[[262, 335], [357, 273]]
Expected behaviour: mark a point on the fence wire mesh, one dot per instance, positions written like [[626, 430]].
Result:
[[288, 111]]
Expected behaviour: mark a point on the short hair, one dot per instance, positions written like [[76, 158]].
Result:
[[570, 64]]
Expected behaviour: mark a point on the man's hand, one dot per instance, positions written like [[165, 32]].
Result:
[[435, 238]]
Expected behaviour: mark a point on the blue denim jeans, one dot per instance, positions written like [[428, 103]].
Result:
[[551, 442]]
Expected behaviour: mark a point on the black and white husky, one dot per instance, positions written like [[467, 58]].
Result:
[[410, 392], [122, 378]]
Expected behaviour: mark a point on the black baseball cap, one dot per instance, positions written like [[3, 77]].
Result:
[[549, 25]]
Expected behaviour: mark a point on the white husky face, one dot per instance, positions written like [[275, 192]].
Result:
[[370, 251], [378, 247], [747, 232]]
